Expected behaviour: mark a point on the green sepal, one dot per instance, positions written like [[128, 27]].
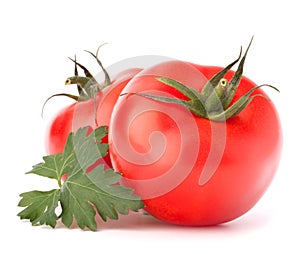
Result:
[[214, 81], [195, 102], [85, 70], [234, 82], [239, 105], [187, 104], [107, 80], [189, 92], [71, 96]]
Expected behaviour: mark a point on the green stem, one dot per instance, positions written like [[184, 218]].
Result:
[[59, 182], [213, 104]]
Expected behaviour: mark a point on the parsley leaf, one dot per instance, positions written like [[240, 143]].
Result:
[[96, 188], [80, 152], [81, 194], [40, 207]]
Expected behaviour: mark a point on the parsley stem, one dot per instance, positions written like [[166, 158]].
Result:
[[59, 182]]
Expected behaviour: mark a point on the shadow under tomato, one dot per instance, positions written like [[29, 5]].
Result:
[[144, 222]]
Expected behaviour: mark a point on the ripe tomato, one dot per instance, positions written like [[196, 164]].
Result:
[[190, 170], [81, 114]]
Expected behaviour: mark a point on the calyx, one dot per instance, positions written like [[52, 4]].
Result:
[[87, 85], [215, 97]]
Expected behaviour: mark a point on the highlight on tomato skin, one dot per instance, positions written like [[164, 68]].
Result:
[[190, 170]]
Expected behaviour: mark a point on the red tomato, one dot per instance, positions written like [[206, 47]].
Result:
[[81, 114], [190, 170]]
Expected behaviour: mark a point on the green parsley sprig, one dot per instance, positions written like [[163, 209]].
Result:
[[82, 194]]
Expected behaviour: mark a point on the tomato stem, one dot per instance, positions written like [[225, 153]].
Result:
[[213, 102]]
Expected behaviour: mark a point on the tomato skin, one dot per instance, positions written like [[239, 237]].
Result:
[[81, 114], [58, 130], [246, 148]]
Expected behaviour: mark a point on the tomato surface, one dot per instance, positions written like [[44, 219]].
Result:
[[190, 170], [81, 114]]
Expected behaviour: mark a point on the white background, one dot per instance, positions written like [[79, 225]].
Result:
[[38, 36]]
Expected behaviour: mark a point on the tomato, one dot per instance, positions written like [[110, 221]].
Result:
[[190, 170], [81, 114]]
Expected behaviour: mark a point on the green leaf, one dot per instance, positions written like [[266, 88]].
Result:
[[121, 197], [40, 207], [81, 150], [52, 167], [82, 194], [86, 148]]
